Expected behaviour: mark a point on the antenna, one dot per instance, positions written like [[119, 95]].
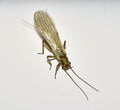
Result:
[[77, 85]]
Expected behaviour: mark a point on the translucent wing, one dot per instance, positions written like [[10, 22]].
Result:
[[47, 30], [44, 23]]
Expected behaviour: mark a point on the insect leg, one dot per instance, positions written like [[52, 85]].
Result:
[[57, 67], [64, 45], [42, 47], [49, 59]]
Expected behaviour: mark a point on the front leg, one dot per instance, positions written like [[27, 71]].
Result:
[[49, 59], [57, 67]]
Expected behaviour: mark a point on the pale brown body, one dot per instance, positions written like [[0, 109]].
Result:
[[51, 40]]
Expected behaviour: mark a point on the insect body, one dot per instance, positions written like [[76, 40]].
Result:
[[46, 29], [50, 40]]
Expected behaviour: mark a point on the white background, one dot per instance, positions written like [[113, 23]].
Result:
[[92, 32]]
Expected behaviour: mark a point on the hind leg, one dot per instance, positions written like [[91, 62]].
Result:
[[64, 45], [43, 42]]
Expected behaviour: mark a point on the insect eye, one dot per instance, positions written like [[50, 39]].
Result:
[[63, 63]]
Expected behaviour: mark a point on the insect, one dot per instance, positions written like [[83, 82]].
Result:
[[46, 29]]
